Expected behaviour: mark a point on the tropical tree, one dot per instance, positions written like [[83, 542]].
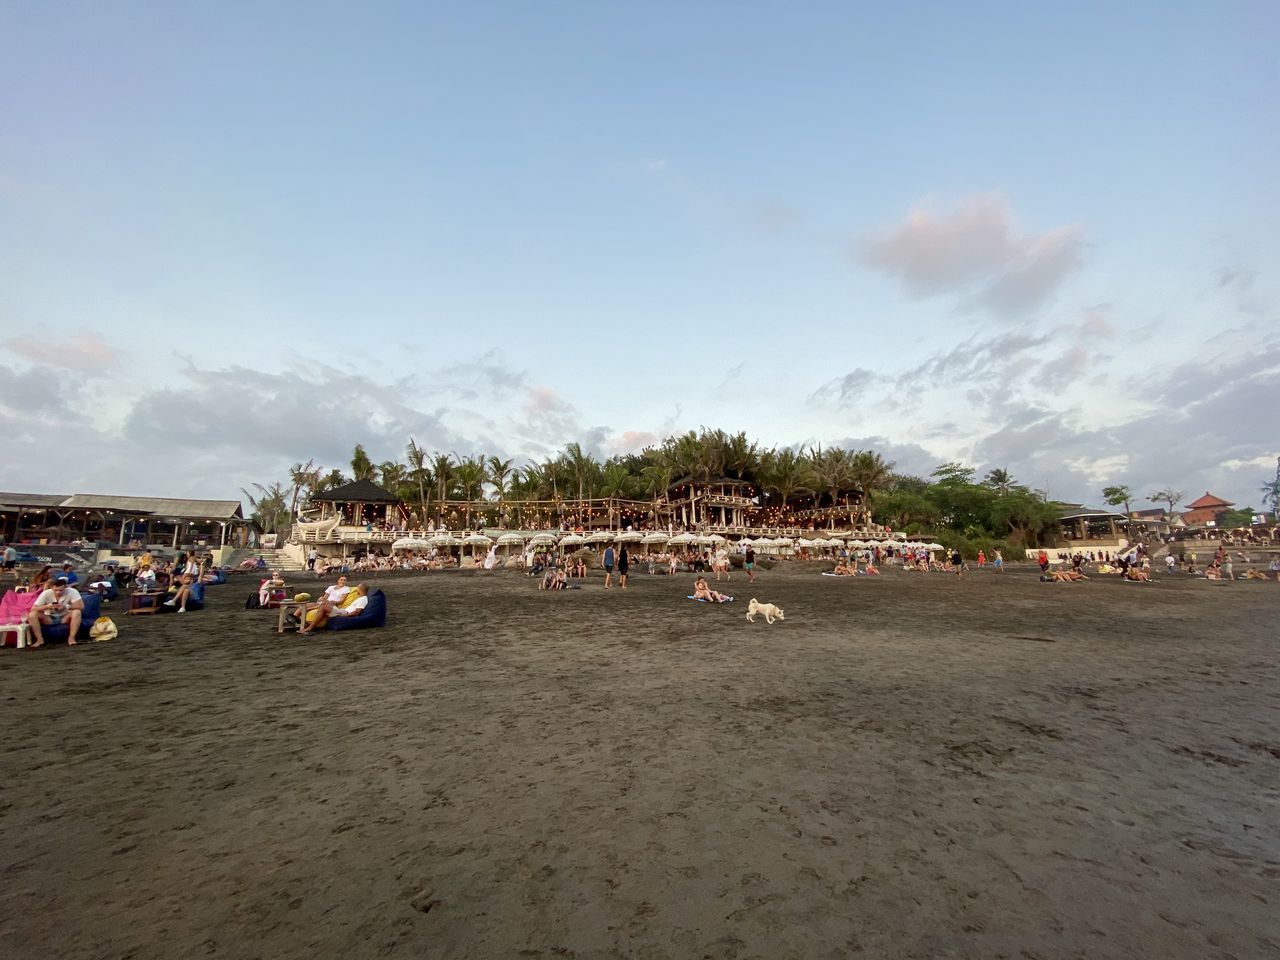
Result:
[[872, 474], [953, 472], [999, 481], [832, 472], [470, 475], [1166, 495], [1271, 493], [1025, 515], [442, 468], [334, 478], [785, 473], [419, 474], [499, 470], [269, 507], [393, 476], [362, 467], [302, 476], [1118, 496]]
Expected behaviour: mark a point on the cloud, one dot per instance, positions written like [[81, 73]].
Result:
[[84, 351], [850, 388], [974, 250]]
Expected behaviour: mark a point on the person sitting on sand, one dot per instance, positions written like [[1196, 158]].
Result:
[[182, 592], [1137, 575], [59, 603], [702, 591], [869, 569], [578, 568], [843, 570], [553, 579], [1252, 574], [269, 586], [318, 617]]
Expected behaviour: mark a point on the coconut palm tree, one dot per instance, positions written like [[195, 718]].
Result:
[[302, 477], [499, 471], [269, 508], [999, 480], [785, 473], [442, 468], [362, 467], [419, 474], [871, 473], [471, 475]]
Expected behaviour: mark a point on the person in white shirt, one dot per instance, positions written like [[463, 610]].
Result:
[[317, 619], [58, 604]]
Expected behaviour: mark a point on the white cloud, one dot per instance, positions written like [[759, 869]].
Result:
[[975, 250], [83, 351]]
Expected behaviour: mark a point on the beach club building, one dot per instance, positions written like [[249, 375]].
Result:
[[112, 524]]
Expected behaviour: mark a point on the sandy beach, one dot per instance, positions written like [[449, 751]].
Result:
[[909, 766]]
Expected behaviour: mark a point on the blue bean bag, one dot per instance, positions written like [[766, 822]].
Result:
[[57, 633], [195, 601], [373, 615]]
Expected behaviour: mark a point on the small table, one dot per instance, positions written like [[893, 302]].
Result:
[[138, 601], [285, 606]]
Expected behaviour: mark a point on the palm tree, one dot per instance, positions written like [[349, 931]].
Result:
[[784, 473], [999, 480], [393, 476], [741, 456], [832, 471], [270, 508], [499, 470], [871, 473], [419, 473], [302, 476], [1271, 492], [442, 467], [580, 464], [362, 467], [471, 475], [614, 481]]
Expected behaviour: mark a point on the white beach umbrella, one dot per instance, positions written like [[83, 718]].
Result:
[[543, 538], [747, 542], [444, 540], [510, 540], [629, 536], [683, 538], [718, 538], [808, 544], [572, 540], [657, 536], [411, 543], [477, 540], [600, 536], [858, 544], [935, 546], [704, 539], [782, 541]]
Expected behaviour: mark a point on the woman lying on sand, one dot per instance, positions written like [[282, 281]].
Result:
[[1252, 574], [845, 570], [702, 591], [1135, 575]]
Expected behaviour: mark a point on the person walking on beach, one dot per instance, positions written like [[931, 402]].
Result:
[[982, 559], [624, 565], [998, 562], [749, 563], [608, 566], [957, 562], [312, 556], [1043, 559]]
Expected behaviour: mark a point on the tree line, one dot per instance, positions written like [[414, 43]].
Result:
[[951, 504]]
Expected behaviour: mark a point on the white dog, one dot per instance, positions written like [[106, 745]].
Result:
[[770, 611]]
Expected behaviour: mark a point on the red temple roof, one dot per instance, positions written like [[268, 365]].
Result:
[[1209, 500]]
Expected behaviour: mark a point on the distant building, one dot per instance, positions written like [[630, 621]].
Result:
[[1205, 511]]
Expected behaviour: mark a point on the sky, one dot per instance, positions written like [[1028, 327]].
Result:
[[237, 236]]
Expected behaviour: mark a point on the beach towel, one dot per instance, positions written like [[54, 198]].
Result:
[[704, 600], [843, 575]]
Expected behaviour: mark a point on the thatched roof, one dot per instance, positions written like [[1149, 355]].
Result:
[[358, 491], [159, 507]]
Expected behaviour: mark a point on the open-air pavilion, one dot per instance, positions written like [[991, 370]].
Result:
[[103, 520]]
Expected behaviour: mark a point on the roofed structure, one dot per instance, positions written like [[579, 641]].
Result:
[[357, 491], [1205, 510], [165, 507]]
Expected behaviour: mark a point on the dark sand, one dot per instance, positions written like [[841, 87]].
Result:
[[908, 767]]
